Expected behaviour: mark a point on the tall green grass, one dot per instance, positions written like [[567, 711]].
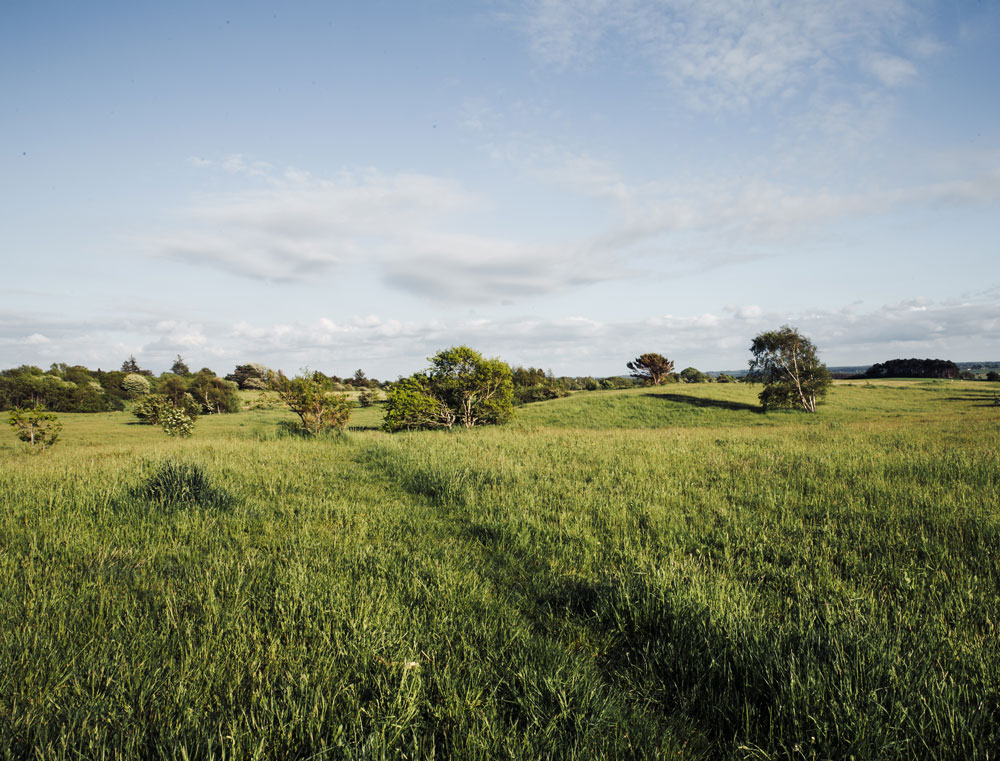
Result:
[[616, 575]]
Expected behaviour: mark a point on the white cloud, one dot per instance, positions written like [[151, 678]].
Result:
[[291, 226], [728, 54], [575, 344]]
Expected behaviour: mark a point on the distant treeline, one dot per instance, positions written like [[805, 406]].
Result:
[[913, 368], [74, 388]]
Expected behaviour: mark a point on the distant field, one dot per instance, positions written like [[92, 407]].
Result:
[[652, 573]]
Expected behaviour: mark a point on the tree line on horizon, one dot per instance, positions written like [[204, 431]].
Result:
[[460, 388]]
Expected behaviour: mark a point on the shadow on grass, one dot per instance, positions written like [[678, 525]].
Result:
[[986, 397], [697, 401]]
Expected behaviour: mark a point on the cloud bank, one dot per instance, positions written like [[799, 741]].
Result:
[[575, 345]]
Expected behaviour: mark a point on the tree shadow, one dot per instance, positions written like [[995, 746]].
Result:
[[697, 401], [986, 397]]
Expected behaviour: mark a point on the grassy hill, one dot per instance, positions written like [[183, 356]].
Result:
[[637, 574]]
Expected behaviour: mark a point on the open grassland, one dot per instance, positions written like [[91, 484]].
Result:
[[644, 574]]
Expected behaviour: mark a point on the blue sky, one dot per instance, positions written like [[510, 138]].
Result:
[[563, 184]]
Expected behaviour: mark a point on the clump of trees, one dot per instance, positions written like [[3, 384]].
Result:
[[913, 368], [789, 367], [651, 368], [533, 384], [62, 388], [461, 387]]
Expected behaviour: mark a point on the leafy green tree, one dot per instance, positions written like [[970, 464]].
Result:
[[411, 405], [788, 366], [318, 406], [725, 378], [461, 386], [993, 376], [175, 388], [36, 427], [650, 368]]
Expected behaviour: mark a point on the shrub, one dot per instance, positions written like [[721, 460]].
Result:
[[150, 408], [176, 422], [175, 485]]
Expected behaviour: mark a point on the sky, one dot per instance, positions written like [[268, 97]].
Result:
[[564, 184]]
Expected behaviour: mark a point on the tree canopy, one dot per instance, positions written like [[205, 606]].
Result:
[[651, 368], [913, 368], [788, 366], [461, 386]]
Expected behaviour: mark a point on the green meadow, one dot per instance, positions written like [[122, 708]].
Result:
[[644, 574]]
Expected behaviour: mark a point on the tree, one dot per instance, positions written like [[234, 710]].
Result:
[[131, 366], [318, 406], [787, 364], [35, 427], [411, 405], [461, 386], [176, 390], [179, 368], [650, 367], [993, 376]]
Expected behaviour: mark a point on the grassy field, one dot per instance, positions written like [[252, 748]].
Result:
[[654, 573]]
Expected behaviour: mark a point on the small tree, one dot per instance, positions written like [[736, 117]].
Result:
[[131, 366], [788, 366], [35, 427], [650, 367], [319, 407]]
